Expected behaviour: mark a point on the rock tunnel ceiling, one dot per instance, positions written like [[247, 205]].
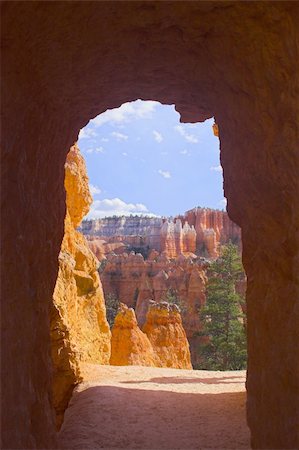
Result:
[[64, 64]]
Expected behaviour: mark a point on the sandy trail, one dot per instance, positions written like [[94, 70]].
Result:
[[152, 408]]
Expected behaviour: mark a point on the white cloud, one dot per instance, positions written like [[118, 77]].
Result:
[[124, 153], [126, 113], [94, 190], [116, 206], [104, 139], [95, 150], [183, 152], [87, 133], [164, 173], [119, 136], [164, 153], [223, 203], [157, 136], [216, 168], [189, 137]]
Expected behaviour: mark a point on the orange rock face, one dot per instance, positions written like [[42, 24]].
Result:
[[79, 329], [165, 331], [129, 345], [161, 343]]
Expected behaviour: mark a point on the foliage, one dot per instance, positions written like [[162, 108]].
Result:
[[144, 250], [102, 265], [135, 298], [112, 305], [224, 338]]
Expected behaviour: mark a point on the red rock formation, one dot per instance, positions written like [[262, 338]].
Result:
[[165, 331], [213, 228], [63, 63], [101, 247], [122, 275], [135, 282], [207, 230], [176, 239]]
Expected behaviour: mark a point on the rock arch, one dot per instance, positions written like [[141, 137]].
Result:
[[64, 63]]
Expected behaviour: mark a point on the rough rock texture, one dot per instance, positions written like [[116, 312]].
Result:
[[177, 239], [79, 329], [162, 343], [65, 62], [129, 345], [135, 281], [101, 247], [209, 228], [165, 331]]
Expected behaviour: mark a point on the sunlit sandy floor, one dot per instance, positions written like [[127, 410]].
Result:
[[151, 408]]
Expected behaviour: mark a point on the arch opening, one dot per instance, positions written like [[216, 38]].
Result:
[[175, 252]]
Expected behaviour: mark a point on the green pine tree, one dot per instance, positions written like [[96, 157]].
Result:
[[224, 338], [112, 305]]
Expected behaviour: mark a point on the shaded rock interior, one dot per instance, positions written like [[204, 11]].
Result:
[[64, 63]]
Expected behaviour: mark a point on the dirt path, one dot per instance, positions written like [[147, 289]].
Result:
[[153, 409]]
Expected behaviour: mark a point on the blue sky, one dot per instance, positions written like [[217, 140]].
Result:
[[141, 160]]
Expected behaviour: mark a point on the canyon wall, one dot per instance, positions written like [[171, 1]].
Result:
[[200, 231], [161, 343], [135, 281], [79, 329], [62, 64]]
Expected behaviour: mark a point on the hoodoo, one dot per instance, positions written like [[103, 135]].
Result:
[[165, 331], [129, 345]]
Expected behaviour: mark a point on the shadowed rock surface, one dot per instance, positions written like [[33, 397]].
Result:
[[65, 62]]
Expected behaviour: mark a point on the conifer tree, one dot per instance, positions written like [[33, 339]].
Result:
[[224, 336]]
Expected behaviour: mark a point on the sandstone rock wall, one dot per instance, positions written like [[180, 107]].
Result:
[[63, 64], [134, 231], [79, 329]]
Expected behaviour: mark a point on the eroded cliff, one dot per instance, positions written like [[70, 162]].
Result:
[[79, 329], [135, 281], [200, 231]]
